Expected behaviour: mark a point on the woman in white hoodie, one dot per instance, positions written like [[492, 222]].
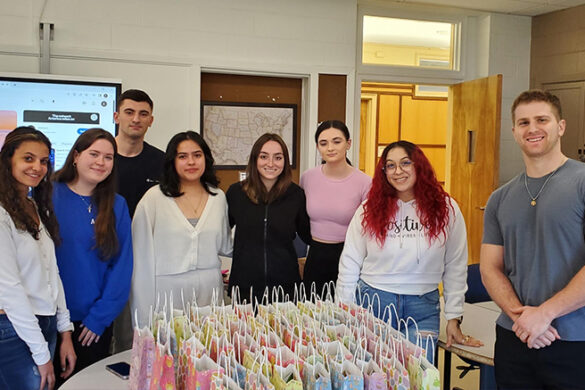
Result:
[[406, 238]]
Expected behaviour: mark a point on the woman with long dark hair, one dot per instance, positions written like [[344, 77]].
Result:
[[179, 229], [95, 254], [268, 210], [334, 190], [408, 236], [32, 301]]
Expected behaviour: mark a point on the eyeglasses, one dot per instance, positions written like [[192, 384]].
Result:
[[405, 165]]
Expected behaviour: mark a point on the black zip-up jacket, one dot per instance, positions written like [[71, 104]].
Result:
[[264, 254]]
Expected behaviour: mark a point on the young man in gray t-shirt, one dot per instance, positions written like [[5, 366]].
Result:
[[533, 255]]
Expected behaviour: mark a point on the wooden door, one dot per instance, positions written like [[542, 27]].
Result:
[[572, 97], [473, 151], [368, 123]]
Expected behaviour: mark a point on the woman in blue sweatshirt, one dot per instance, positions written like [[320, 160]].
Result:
[[95, 254]]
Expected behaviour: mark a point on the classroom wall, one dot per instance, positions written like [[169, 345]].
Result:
[[509, 55], [558, 47], [163, 46], [502, 46]]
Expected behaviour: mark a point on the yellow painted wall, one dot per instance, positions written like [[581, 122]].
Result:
[[424, 121], [401, 116]]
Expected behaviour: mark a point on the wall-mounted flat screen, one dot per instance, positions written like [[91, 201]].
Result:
[[60, 107]]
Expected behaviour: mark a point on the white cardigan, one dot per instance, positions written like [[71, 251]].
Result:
[[407, 264], [30, 285], [172, 255]]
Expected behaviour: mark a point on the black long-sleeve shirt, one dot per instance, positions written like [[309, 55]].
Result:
[[264, 254]]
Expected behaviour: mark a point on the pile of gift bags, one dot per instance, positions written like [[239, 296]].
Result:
[[282, 345]]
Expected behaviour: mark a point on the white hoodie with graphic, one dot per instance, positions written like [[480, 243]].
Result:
[[407, 263]]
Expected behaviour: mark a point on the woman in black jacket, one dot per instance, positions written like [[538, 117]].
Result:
[[268, 210]]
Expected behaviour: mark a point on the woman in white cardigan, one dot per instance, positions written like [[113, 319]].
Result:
[[33, 313], [179, 230]]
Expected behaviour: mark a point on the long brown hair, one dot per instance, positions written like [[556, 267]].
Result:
[[253, 186], [103, 195], [12, 200]]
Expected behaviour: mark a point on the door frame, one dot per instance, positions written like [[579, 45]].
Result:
[[360, 78], [370, 136], [573, 124]]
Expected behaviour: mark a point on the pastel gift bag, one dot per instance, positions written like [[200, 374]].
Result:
[[257, 381], [314, 374], [142, 356], [257, 377], [206, 370], [157, 367], [290, 338], [423, 375], [286, 378], [269, 339], [285, 371], [336, 351], [254, 361], [345, 376], [284, 357], [396, 373], [158, 361], [189, 347], [135, 360], [241, 309], [167, 378], [374, 377], [431, 379], [147, 359], [192, 349], [233, 370], [219, 344], [242, 344]]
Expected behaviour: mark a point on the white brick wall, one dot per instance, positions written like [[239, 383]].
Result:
[[510, 56], [161, 46]]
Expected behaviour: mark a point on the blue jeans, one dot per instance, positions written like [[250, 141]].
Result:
[[424, 309], [17, 368]]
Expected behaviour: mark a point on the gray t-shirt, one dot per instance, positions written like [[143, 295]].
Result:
[[544, 245]]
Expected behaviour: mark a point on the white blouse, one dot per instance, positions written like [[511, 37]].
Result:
[[170, 254], [30, 285]]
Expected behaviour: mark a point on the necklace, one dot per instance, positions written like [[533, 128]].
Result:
[[533, 201], [195, 209], [89, 208]]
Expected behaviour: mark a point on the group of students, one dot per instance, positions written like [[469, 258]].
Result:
[[74, 252], [67, 256]]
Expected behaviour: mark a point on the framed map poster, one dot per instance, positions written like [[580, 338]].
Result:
[[230, 129]]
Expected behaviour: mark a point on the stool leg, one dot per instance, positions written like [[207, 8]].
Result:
[[447, 371]]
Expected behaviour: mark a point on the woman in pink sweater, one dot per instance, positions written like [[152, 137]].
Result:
[[334, 190]]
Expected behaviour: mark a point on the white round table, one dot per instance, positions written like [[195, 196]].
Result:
[[96, 377]]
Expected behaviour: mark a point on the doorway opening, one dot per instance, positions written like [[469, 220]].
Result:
[[459, 132], [391, 112]]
